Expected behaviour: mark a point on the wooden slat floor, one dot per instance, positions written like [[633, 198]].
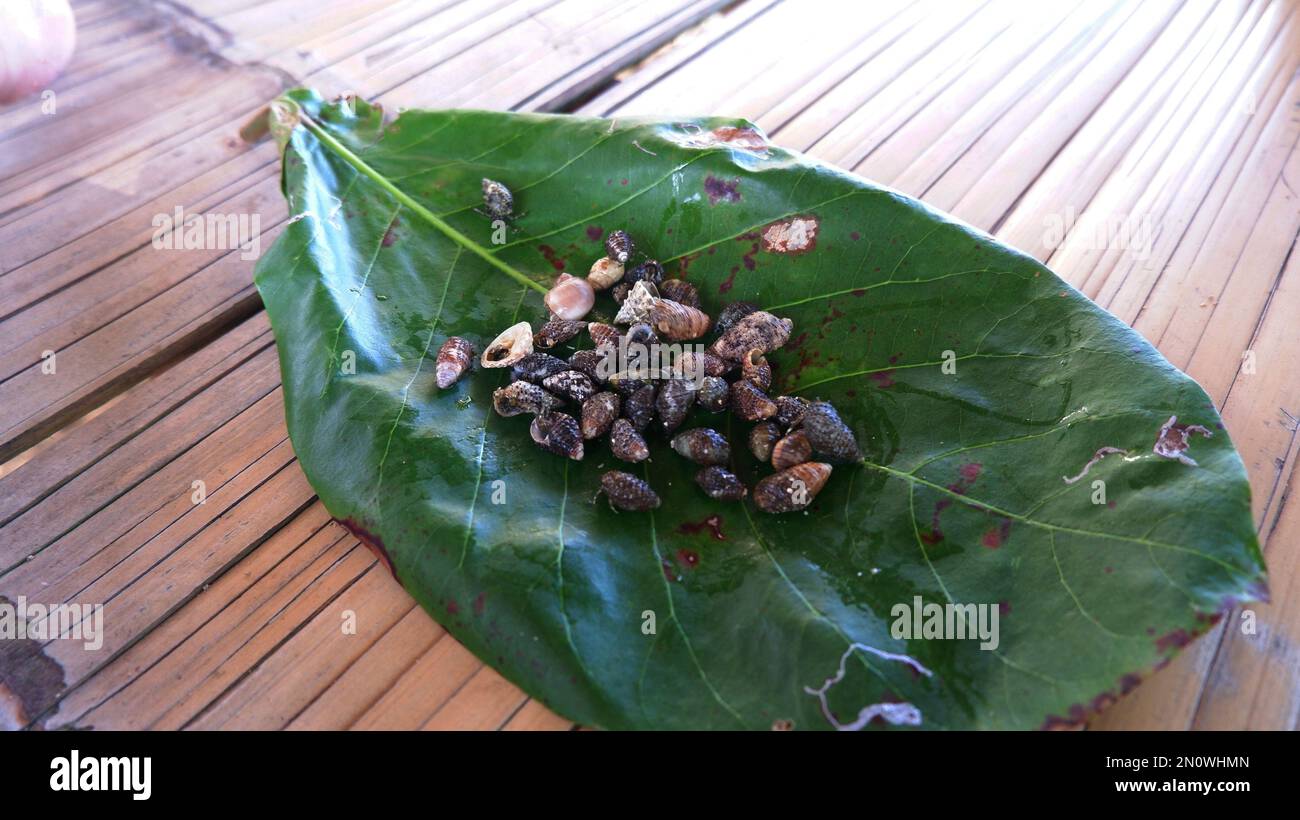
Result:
[[1179, 118]]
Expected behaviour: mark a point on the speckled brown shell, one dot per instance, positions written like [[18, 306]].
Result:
[[514, 343], [627, 492], [679, 290], [620, 292], [755, 370], [587, 362], [791, 450], [714, 394], [497, 200], [676, 396], [750, 403], [677, 322], [702, 445], [523, 397], [830, 437], [558, 433], [598, 414], [719, 484], [791, 489], [762, 439], [557, 331], [759, 330], [648, 271], [454, 359], [639, 408], [570, 384], [694, 362], [626, 443], [789, 410], [537, 366]]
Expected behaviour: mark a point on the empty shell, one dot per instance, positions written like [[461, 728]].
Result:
[[637, 306], [755, 370], [514, 343]]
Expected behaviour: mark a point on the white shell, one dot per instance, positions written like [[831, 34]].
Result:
[[638, 304], [571, 298], [605, 273], [514, 343]]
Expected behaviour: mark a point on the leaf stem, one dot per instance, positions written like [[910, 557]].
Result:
[[404, 198]]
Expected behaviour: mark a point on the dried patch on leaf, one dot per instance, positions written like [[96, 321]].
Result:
[[796, 235], [1173, 440]]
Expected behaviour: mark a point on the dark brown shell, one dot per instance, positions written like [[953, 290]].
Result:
[[648, 271], [732, 313], [618, 246], [679, 290], [702, 445], [762, 439], [454, 360], [626, 386], [598, 414], [620, 292], [557, 331], [587, 362], [558, 433], [627, 492], [791, 450], [719, 484], [523, 397], [830, 437], [677, 322], [714, 394], [789, 410], [626, 443], [639, 408], [759, 330], [570, 384], [791, 489], [673, 403], [750, 403], [536, 367], [755, 370]]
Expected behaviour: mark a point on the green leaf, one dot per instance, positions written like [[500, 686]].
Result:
[[962, 497]]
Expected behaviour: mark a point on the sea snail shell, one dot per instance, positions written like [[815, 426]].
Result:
[[514, 343], [571, 298]]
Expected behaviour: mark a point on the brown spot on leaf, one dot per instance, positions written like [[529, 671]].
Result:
[[1172, 441]]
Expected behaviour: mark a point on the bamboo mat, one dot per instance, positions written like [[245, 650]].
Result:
[[1180, 118]]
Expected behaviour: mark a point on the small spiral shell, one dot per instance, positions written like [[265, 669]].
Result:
[[792, 489], [599, 413], [679, 290], [750, 403], [759, 330], [570, 298], [703, 446], [677, 322], [626, 443], [755, 370], [791, 450], [605, 273], [720, 484], [454, 358], [627, 492]]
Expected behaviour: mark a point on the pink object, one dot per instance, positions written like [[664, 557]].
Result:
[[36, 42]]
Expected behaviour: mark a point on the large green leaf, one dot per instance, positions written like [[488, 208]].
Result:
[[961, 498]]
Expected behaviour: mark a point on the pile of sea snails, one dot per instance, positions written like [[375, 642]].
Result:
[[578, 400]]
